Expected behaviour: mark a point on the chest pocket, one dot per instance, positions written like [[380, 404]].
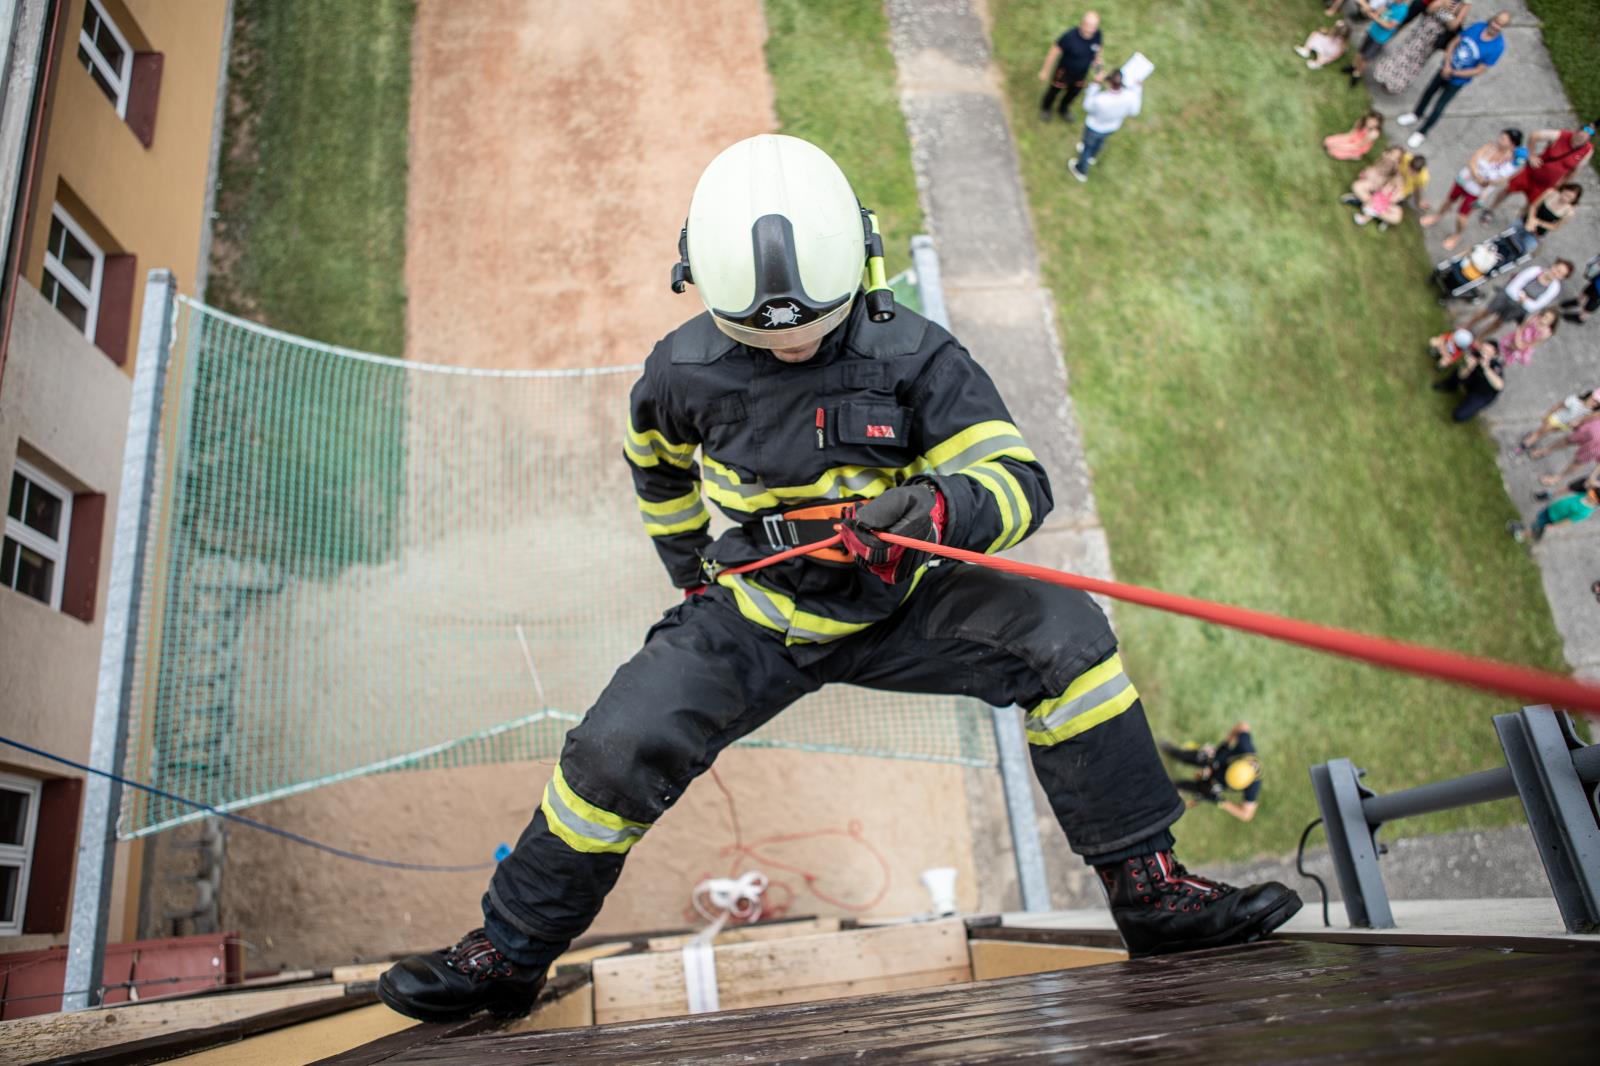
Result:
[[878, 424]]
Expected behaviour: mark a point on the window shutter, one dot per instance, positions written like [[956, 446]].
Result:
[[144, 89], [82, 577], [55, 841], [116, 306]]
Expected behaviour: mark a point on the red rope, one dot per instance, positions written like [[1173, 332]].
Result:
[[1536, 686]]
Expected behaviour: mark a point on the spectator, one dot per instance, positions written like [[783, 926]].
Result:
[[1473, 51], [1386, 16], [1547, 214], [1381, 192], [1581, 306], [1324, 45], [1067, 65], [1489, 165], [1106, 105], [1574, 508], [1403, 60], [1359, 141], [1553, 155], [1563, 417], [1479, 374], [1450, 347], [1585, 438], [1517, 345], [1530, 292]]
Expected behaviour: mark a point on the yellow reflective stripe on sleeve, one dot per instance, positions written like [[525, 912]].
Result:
[[973, 445], [581, 825], [677, 515], [1094, 697], [650, 447], [1012, 502]]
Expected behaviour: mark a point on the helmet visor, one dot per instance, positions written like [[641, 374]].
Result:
[[778, 335]]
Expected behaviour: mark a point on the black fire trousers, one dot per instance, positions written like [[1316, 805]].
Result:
[[706, 677], [1068, 93]]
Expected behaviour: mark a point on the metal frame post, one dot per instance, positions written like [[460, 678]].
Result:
[[1016, 776], [930, 283], [1539, 746], [91, 887], [1352, 843]]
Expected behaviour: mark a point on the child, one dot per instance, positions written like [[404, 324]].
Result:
[[1450, 347], [1359, 141], [1574, 508], [1324, 45], [1562, 418]]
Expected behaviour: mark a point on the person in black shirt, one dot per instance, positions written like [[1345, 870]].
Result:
[[1481, 375], [1231, 766], [1068, 65]]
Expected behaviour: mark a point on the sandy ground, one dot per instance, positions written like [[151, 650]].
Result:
[[554, 147]]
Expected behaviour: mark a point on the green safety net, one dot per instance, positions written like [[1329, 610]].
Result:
[[359, 564]]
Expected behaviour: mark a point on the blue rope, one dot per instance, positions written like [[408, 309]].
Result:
[[343, 853]]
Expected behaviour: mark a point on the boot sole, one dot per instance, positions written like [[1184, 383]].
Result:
[[1247, 932], [503, 1011]]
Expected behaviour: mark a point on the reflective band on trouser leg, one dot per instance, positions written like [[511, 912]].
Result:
[[582, 825], [1096, 696]]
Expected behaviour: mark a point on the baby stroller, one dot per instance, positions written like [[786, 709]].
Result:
[[1461, 277]]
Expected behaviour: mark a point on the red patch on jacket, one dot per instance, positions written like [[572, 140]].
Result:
[[881, 431]]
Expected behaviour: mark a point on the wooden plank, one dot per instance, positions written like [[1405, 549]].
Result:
[[794, 970], [50, 1035], [366, 971], [573, 1008], [1010, 958], [308, 1042], [746, 934]]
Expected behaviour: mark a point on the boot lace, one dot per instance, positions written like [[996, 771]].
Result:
[[475, 957], [1162, 882]]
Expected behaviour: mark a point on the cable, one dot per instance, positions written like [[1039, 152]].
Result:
[[287, 834], [1503, 678], [1300, 864]]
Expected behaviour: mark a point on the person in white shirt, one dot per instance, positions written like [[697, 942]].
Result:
[[1106, 105], [1530, 292], [1489, 166]]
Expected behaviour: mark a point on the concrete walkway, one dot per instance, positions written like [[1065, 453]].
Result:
[[1523, 91]]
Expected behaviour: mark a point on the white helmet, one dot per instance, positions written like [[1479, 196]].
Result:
[[775, 242]]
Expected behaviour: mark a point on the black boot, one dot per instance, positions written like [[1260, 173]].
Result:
[[453, 984], [1160, 907]]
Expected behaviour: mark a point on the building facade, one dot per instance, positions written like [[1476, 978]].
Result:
[[108, 127]]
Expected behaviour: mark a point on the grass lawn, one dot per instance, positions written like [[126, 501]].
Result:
[[310, 239], [312, 191], [834, 78], [1572, 34], [1250, 373]]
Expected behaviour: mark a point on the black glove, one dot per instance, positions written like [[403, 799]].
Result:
[[914, 510]]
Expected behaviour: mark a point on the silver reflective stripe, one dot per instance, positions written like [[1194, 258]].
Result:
[[698, 508], [989, 477], [1086, 702], [865, 479], [981, 451], [764, 603], [582, 826], [643, 451], [755, 489]]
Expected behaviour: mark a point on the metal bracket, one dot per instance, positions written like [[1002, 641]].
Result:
[[1539, 744], [1352, 843]]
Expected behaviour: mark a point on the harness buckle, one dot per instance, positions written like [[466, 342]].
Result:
[[775, 526]]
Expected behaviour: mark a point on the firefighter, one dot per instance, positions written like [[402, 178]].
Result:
[[1231, 766], [813, 403]]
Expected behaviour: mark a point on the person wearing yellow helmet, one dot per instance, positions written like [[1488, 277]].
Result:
[[1232, 766]]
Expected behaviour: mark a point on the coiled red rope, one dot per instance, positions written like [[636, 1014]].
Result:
[[1521, 682]]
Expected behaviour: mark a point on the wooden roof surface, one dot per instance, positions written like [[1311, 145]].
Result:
[[1279, 1001]]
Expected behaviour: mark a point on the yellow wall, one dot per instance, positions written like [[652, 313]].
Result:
[[151, 201]]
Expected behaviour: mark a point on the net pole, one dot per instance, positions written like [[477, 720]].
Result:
[[91, 888]]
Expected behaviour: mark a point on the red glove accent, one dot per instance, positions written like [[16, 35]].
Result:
[[904, 516], [693, 590]]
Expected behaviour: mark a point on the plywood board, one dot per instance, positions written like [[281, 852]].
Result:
[[1009, 958], [572, 1009], [49, 1035], [746, 934], [306, 1042], [792, 970]]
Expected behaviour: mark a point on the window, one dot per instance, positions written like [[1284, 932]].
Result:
[[33, 555], [73, 268], [19, 816], [104, 53]]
